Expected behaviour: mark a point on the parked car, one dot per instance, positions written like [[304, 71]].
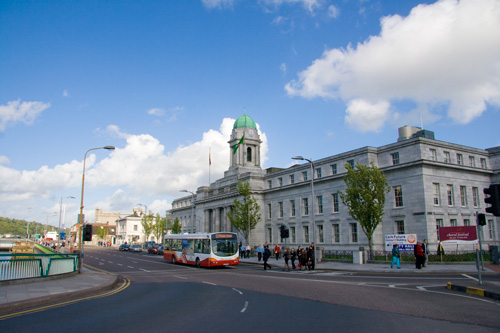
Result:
[[153, 248], [160, 250], [124, 247], [135, 248]]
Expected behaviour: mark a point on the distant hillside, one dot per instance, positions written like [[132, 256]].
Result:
[[18, 227]]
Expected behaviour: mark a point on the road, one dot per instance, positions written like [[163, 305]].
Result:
[[164, 296]]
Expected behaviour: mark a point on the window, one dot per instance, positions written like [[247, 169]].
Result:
[[292, 231], [270, 183], [449, 192], [436, 194], [351, 163], [460, 159], [270, 235], [398, 196], [395, 158], [335, 200], [306, 233], [319, 201], [447, 157], [304, 175], [292, 179], [434, 155], [463, 196], [280, 181], [354, 232], [292, 208], [466, 222], [280, 209], [336, 233], [483, 163], [333, 167], [318, 173], [249, 154], [269, 211], [135, 227], [400, 227], [491, 230], [453, 222], [439, 223], [472, 161], [475, 197], [321, 236], [305, 206]]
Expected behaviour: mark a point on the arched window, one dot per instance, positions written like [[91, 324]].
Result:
[[249, 154]]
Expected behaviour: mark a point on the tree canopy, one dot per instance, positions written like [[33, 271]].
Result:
[[176, 227], [147, 223], [245, 214]]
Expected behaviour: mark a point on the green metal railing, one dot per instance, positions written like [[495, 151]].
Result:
[[24, 266]]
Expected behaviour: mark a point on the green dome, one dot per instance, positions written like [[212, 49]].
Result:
[[244, 121]]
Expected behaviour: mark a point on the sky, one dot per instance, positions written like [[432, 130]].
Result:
[[164, 81]]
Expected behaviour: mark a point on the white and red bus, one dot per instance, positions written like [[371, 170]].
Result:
[[202, 249]]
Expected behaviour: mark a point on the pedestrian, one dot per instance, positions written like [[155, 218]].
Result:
[[286, 256], [249, 248], [419, 255], [310, 254], [299, 253], [395, 256], [303, 259], [277, 251], [266, 255], [425, 247], [259, 252], [243, 250], [293, 256]]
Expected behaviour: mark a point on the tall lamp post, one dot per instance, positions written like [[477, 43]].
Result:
[[60, 219], [80, 240], [192, 209], [312, 202]]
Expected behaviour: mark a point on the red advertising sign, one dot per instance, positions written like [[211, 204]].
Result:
[[457, 235]]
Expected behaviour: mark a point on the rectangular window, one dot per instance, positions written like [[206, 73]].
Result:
[[318, 173], [439, 223], [292, 234], [436, 194], [292, 179], [319, 203], [280, 181], [434, 155], [466, 222], [135, 227], [270, 235], [453, 222], [321, 236], [447, 157], [491, 227], [463, 196], [395, 158], [335, 201], [475, 197], [305, 206], [451, 201], [306, 234], [334, 169], [400, 227], [398, 196], [336, 233], [472, 161], [483, 163], [269, 211], [354, 232], [460, 159], [292, 208], [351, 163], [304, 175], [269, 184], [280, 209]]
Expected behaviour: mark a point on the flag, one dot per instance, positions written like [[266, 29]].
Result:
[[238, 144]]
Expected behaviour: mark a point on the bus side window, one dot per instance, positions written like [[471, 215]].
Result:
[[197, 246], [206, 246]]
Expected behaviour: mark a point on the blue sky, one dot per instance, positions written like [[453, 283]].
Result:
[[163, 81]]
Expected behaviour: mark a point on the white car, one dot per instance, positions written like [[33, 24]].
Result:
[[135, 248]]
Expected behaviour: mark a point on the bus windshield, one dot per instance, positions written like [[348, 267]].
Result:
[[224, 245]]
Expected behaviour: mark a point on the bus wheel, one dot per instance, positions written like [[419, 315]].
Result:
[[197, 262], [173, 259]]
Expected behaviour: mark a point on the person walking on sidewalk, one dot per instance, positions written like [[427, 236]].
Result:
[[419, 255], [425, 247], [293, 256], [395, 256], [259, 252], [248, 249], [266, 255], [277, 251], [286, 256]]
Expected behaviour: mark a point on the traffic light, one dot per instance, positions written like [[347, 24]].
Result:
[[481, 219], [494, 199], [87, 232], [287, 233], [282, 231]]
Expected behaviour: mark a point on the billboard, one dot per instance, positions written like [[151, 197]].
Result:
[[458, 235], [406, 242]]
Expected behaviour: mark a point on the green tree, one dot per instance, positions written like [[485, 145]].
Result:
[[365, 197], [147, 223], [159, 228], [245, 214], [176, 227], [102, 232]]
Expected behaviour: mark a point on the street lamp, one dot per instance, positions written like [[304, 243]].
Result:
[[28, 224], [60, 218], [192, 206], [80, 241], [312, 201]]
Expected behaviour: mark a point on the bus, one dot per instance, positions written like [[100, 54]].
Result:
[[202, 249]]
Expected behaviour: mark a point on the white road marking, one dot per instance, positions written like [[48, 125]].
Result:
[[470, 277], [110, 262], [130, 267], [210, 283], [145, 270], [181, 277], [245, 307], [238, 291], [119, 264], [421, 288]]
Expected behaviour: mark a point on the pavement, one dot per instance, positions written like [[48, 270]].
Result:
[[22, 294]]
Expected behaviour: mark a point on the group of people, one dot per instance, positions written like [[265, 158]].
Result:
[[245, 250], [420, 250], [305, 256]]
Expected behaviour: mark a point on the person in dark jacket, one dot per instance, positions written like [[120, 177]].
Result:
[[286, 257], [293, 256], [266, 255], [395, 256], [419, 255]]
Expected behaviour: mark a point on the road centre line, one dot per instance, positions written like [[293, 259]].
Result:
[[210, 283], [238, 291], [145, 270], [181, 277], [245, 307], [130, 266]]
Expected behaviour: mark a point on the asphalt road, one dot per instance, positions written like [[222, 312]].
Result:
[[245, 298]]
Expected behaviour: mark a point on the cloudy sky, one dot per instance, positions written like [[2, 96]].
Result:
[[163, 81]]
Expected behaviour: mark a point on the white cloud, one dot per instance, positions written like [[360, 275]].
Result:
[[156, 112], [333, 11], [283, 68], [65, 93], [444, 53], [218, 3], [4, 160], [309, 5], [24, 112], [366, 116]]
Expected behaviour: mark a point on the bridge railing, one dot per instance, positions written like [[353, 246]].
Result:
[[24, 266]]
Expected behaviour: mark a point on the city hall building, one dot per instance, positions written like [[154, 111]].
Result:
[[433, 184]]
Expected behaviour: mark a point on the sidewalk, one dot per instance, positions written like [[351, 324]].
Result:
[[18, 295], [490, 289]]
